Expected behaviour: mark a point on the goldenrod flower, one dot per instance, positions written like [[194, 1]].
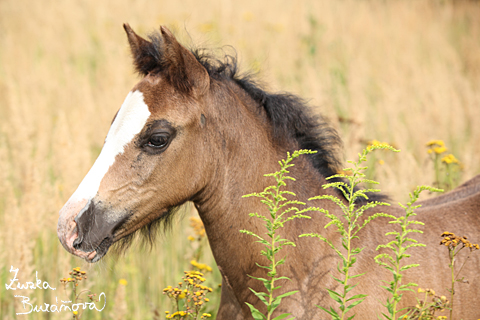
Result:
[[439, 150], [437, 146], [449, 159], [374, 142]]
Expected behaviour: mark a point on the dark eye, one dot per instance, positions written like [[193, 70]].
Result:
[[158, 140]]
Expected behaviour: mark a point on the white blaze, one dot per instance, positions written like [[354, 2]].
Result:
[[130, 120]]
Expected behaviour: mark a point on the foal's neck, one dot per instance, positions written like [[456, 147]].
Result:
[[245, 155]]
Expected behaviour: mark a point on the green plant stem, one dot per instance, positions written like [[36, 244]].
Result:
[[398, 255], [272, 282], [274, 267], [452, 291], [395, 288], [344, 299], [351, 208]]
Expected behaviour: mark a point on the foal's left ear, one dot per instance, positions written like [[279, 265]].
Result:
[[181, 67], [142, 51], [164, 55]]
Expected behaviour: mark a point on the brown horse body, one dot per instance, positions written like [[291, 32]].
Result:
[[191, 130]]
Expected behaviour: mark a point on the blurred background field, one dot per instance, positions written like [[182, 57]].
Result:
[[402, 72]]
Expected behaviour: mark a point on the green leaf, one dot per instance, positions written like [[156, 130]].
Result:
[[358, 296], [257, 315], [282, 316], [286, 294], [261, 295], [335, 296], [348, 288], [260, 279], [408, 267], [354, 304], [357, 275], [331, 312]]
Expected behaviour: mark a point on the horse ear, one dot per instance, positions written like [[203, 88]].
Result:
[[182, 68], [142, 49]]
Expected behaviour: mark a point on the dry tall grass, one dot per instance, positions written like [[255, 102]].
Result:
[[403, 72]]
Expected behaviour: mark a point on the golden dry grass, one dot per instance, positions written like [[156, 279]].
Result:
[[403, 72]]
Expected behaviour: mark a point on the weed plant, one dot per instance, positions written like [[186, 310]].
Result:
[[348, 226], [444, 163], [281, 210], [399, 246], [76, 276], [189, 297], [426, 308], [455, 244]]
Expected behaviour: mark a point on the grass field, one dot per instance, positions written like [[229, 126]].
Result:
[[403, 72]]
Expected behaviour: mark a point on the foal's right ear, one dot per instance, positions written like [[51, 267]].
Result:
[[142, 50]]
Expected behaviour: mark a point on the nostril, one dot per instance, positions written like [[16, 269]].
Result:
[[77, 243]]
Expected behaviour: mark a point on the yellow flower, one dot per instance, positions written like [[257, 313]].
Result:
[[450, 158], [374, 142], [437, 146], [123, 282], [181, 295], [191, 238], [201, 266], [75, 312], [439, 150], [420, 290]]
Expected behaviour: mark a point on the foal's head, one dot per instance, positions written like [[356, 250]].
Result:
[[191, 129], [146, 165]]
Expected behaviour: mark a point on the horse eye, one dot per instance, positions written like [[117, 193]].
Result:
[[158, 140]]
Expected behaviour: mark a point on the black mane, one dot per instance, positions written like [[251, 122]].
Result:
[[291, 119]]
